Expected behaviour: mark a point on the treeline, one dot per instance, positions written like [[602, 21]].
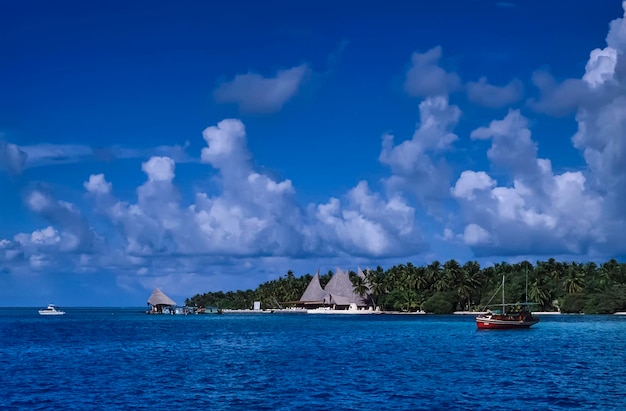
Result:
[[444, 288]]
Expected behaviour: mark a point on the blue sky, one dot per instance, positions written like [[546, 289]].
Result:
[[197, 146]]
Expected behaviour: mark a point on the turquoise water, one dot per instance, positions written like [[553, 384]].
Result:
[[120, 359]]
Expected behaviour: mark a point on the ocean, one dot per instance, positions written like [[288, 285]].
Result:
[[123, 359]]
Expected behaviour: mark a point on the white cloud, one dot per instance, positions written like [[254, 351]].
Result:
[[512, 148], [471, 181], [601, 131], [97, 184], [258, 94], [600, 66], [600, 84], [76, 233], [244, 217], [227, 147], [37, 201], [417, 164], [366, 225], [425, 78], [159, 169], [616, 38], [541, 212], [488, 95], [475, 235], [254, 214], [46, 236]]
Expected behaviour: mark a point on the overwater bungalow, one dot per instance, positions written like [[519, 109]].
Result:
[[158, 303]]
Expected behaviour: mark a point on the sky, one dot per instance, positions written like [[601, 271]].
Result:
[[202, 146]]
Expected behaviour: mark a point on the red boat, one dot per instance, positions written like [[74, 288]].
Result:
[[505, 321], [517, 316]]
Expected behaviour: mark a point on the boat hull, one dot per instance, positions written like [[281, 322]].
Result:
[[51, 310], [487, 323]]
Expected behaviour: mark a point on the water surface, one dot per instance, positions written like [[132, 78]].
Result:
[[119, 359]]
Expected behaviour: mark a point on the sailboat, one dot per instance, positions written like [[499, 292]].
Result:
[[509, 316]]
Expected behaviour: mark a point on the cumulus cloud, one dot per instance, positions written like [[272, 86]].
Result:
[[76, 234], [602, 127], [257, 94], [512, 148], [475, 235], [540, 212], [227, 148], [425, 78], [488, 95], [603, 80], [253, 214], [46, 236], [244, 217], [417, 164], [616, 38], [97, 184], [367, 225], [471, 181], [159, 169]]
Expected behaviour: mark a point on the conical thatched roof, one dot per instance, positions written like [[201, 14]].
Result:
[[159, 298], [314, 291], [341, 290]]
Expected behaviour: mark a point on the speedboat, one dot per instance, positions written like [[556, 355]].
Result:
[[51, 310]]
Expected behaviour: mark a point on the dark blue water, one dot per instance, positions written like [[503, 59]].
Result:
[[114, 359]]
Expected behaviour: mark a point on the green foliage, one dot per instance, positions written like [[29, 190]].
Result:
[[599, 304], [404, 300], [440, 303], [445, 287], [572, 303]]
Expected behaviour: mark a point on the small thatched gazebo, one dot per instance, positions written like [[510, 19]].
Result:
[[158, 300]]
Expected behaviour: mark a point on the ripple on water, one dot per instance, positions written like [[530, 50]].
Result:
[[123, 359]]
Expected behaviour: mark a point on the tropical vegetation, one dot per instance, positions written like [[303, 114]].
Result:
[[443, 288]]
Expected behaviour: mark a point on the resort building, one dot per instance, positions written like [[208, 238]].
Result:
[[159, 301], [338, 294]]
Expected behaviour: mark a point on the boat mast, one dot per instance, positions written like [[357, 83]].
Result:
[[526, 269], [503, 294]]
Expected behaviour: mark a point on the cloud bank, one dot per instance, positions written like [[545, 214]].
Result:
[[240, 217]]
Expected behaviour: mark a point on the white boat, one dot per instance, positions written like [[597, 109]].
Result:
[[51, 310]]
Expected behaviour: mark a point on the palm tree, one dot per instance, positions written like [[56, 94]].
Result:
[[575, 279], [539, 290], [433, 274], [359, 285], [376, 281]]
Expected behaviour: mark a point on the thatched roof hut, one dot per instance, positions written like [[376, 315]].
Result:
[[314, 293], [339, 291], [158, 300]]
